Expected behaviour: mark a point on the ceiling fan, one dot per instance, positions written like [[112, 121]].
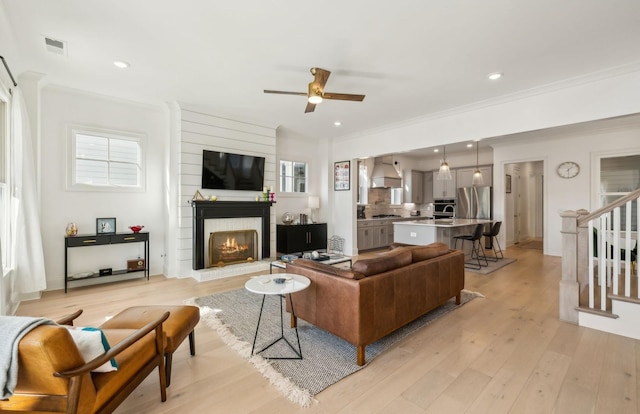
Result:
[[316, 92]]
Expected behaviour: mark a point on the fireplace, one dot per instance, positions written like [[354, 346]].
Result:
[[207, 210], [229, 247]]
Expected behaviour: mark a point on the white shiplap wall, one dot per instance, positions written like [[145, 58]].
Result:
[[202, 130]]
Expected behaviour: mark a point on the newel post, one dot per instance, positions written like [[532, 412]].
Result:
[[569, 286]]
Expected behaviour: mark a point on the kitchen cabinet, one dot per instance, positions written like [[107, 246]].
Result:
[[427, 187], [298, 238], [465, 176], [374, 234], [444, 188], [413, 191], [365, 235]]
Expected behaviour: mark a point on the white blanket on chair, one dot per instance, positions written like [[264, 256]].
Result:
[[12, 329]]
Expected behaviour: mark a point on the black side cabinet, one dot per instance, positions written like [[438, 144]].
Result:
[[295, 238]]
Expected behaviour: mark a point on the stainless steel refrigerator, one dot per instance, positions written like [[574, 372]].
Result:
[[474, 202]]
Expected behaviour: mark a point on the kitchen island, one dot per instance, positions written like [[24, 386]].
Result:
[[429, 231]]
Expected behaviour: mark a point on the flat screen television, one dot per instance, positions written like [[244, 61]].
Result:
[[227, 171]]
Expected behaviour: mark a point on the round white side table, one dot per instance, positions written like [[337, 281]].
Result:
[[266, 285]]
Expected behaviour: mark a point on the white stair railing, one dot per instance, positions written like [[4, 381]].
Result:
[[597, 252]]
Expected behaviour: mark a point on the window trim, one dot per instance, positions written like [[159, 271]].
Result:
[[73, 130]]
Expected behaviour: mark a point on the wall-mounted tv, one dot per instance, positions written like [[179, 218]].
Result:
[[227, 171]]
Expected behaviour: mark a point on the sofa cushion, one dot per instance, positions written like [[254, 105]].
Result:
[[420, 253], [384, 262], [325, 268]]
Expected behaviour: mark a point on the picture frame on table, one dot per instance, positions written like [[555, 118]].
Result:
[[342, 176], [507, 184], [106, 225]]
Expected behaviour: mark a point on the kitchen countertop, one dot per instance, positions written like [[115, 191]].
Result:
[[415, 218], [458, 222]]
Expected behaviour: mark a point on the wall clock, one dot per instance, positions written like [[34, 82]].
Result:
[[568, 169]]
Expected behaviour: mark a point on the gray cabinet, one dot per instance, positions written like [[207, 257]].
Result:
[[365, 235], [427, 187], [413, 191], [374, 234], [444, 188]]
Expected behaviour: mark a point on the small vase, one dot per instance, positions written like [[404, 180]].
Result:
[[72, 229]]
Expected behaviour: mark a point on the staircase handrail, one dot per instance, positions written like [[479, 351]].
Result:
[[583, 220]]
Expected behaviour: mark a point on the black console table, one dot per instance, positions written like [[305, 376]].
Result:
[[101, 240]]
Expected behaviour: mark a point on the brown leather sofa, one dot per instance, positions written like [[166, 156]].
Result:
[[379, 294], [53, 376]]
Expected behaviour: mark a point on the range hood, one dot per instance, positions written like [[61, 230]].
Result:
[[385, 174]]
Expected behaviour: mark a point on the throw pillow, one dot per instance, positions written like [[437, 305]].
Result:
[[91, 343]]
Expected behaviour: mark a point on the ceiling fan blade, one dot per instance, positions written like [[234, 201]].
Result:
[[310, 107], [286, 93], [320, 76], [343, 96]]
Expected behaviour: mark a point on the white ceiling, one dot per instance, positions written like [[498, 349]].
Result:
[[410, 58]]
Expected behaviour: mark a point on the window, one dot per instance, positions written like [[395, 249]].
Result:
[[618, 177], [293, 177], [396, 195], [105, 160], [363, 183]]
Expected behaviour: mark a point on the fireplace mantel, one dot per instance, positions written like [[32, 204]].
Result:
[[204, 210]]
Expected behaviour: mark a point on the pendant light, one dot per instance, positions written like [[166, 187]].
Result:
[[477, 175], [444, 173]]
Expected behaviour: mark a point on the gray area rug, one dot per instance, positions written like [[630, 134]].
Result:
[[493, 266], [326, 358]]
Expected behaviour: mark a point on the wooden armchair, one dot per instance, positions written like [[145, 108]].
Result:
[[53, 376]]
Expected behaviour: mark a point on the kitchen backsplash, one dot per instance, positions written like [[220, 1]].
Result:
[[380, 203]]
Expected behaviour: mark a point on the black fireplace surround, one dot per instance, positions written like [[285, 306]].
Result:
[[204, 210]]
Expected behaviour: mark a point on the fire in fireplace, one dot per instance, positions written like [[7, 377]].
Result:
[[229, 247]]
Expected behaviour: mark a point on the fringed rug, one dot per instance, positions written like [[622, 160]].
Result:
[[326, 358]]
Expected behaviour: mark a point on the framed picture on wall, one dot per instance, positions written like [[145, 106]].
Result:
[[106, 225], [341, 175], [507, 184]]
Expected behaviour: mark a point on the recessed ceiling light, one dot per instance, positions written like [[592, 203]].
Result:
[[337, 123], [494, 76], [121, 64], [436, 150], [469, 145]]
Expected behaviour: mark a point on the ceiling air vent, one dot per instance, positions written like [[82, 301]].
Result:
[[55, 46]]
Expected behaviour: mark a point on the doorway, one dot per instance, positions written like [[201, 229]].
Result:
[[524, 203]]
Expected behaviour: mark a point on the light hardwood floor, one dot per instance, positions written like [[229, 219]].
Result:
[[505, 353]]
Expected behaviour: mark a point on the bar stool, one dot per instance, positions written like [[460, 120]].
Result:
[[493, 233], [476, 246]]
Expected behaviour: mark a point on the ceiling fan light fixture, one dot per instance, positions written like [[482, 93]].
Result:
[[315, 93]]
